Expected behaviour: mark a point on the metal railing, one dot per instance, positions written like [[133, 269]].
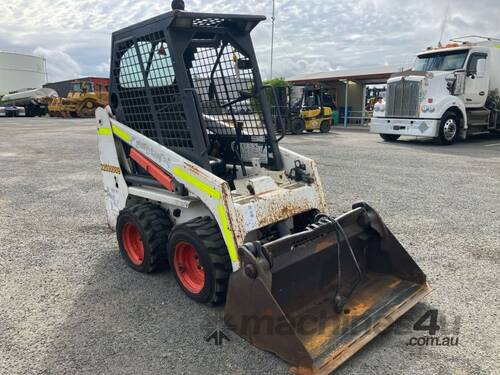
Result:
[[356, 118]]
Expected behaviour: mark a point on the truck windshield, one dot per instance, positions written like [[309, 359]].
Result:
[[444, 61]]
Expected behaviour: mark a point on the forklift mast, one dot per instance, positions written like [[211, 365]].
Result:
[[182, 79]]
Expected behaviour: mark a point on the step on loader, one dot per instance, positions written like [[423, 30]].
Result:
[[193, 181]]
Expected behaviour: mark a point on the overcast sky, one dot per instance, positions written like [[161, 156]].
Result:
[[311, 36]]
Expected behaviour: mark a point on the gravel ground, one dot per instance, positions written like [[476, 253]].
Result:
[[69, 304]]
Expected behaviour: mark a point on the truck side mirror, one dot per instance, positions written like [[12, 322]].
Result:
[[481, 68]]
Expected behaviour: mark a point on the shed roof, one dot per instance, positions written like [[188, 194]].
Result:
[[372, 74]]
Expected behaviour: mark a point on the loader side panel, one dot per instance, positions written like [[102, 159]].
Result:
[[115, 186]]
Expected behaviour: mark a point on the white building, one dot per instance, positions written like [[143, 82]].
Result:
[[18, 71]]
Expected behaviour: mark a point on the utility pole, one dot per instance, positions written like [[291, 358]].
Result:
[[273, 19]]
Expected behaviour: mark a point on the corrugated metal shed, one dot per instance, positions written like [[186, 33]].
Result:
[[348, 88], [371, 75]]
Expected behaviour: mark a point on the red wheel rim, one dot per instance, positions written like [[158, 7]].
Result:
[[133, 244], [188, 268]]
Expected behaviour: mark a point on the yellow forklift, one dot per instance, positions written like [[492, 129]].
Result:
[[311, 108]]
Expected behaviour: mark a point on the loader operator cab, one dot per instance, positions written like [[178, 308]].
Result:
[[184, 79]]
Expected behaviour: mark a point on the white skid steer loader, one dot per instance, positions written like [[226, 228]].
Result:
[[192, 179]]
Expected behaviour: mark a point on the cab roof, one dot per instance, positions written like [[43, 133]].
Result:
[[203, 21]]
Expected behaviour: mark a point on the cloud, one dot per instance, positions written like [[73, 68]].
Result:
[[60, 65], [311, 36], [103, 67]]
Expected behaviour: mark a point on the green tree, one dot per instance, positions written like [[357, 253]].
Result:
[[277, 82]]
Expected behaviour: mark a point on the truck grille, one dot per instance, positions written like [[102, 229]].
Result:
[[403, 99]]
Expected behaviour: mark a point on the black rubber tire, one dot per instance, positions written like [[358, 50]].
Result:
[[298, 126], [204, 234], [390, 137], [325, 127], [441, 138], [154, 226]]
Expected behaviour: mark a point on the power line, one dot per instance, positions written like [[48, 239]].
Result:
[[273, 19]]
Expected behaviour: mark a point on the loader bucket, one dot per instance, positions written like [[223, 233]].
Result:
[[314, 298]]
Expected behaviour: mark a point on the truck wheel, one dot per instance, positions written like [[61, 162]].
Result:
[[390, 137], [325, 127], [200, 260], [298, 126], [142, 233], [448, 131]]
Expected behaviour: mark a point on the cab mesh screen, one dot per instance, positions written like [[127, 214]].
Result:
[[148, 91], [225, 91]]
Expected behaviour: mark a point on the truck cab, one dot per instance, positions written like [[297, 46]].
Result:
[[451, 92]]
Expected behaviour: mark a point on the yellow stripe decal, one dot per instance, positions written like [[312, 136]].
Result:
[[497, 46], [214, 193], [121, 134], [104, 131], [228, 236]]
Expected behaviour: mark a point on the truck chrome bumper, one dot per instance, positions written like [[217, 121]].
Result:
[[18, 112], [411, 127]]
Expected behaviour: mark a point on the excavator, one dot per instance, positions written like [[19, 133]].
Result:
[[194, 183], [82, 101]]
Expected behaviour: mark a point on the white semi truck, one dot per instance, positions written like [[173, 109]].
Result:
[[451, 92]]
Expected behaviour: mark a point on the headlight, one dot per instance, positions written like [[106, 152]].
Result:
[[425, 108], [431, 108]]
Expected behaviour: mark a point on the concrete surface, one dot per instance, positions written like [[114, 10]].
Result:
[[69, 304]]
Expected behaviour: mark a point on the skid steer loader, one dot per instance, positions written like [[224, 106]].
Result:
[[191, 180]]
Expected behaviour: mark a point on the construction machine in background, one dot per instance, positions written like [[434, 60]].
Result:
[[81, 102], [192, 180], [29, 103], [303, 108], [315, 112]]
